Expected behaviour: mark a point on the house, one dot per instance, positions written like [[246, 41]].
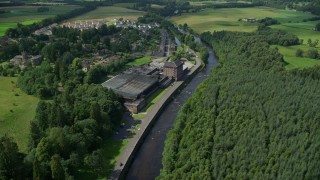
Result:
[[23, 59], [173, 70], [249, 19]]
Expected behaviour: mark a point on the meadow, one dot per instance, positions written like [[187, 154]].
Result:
[[304, 30], [228, 18], [108, 12], [16, 111], [28, 15]]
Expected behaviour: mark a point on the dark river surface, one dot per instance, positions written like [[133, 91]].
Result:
[[148, 160]]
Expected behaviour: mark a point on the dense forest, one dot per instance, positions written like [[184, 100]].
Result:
[[66, 134], [249, 119]]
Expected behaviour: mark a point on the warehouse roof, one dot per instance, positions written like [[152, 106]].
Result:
[[130, 85]]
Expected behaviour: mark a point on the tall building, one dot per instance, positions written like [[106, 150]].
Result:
[[173, 70]]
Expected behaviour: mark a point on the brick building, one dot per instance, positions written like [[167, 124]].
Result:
[[173, 70]]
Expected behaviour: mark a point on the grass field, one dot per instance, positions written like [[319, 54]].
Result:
[[227, 18], [28, 15], [111, 12], [140, 61], [294, 62], [16, 111], [302, 29]]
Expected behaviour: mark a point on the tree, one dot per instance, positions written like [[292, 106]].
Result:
[[312, 53], [95, 160], [10, 161], [317, 28], [309, 42], [299, 53], [95, 112], [57, 170]]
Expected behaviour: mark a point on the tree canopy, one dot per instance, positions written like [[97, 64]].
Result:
[[249, 119]]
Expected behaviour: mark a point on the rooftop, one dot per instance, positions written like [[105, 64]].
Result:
[[173, 64], [130, 85]]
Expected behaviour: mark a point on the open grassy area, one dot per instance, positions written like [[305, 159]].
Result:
[[108, 12], [294, 62], [140, 61], [304, 30], [227, 18], [28, 15], [16, 111]]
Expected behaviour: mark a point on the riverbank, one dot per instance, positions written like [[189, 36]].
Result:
[[126, 157], [147, 161]]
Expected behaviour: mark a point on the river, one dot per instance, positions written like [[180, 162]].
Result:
[[148, 160]]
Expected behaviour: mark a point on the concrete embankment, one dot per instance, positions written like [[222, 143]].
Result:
[[127, 156]]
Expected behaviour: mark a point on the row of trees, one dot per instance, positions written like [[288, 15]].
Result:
[[311, 53], [249, 119]]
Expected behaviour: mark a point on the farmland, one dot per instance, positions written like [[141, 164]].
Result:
[[28, 15], [227, 18], [16, 111], [111, 12]]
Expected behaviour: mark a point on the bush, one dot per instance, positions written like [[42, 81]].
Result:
[[299, 53], [312, 53]]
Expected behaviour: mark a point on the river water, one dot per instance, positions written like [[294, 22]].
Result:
[[148, 160]]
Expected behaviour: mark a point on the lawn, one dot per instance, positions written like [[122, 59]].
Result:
[[28, 15], [109, 12], [227, 18], [294, 62], [16, 111], [140, 61]]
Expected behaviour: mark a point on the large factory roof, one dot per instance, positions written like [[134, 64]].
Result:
[[130, 85]]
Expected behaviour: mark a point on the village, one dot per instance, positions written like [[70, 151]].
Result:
[[135, 83]]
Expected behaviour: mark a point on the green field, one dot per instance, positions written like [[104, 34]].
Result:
[[294, 62], [28, 15], [16, 111], [304, 30], [108, 12], [140, 61], [227, 18]]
